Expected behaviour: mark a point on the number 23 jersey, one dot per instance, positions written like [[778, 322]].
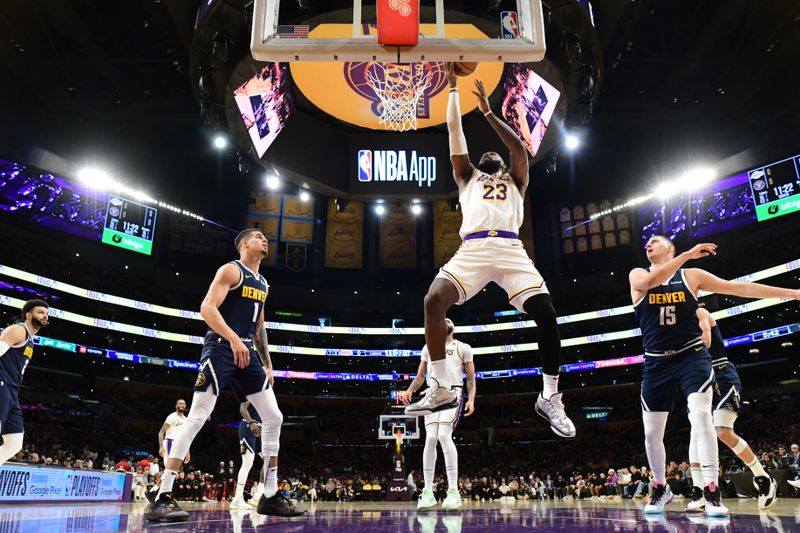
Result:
[[667, 315], [490, 202]]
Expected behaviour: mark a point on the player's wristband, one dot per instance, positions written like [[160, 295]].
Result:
[[488, 113], [453, 89]]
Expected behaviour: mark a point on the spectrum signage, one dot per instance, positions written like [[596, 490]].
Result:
[[396, 165]]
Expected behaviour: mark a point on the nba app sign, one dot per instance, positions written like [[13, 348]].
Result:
[[396, 166]]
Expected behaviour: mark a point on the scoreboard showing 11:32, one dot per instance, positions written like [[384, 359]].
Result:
[[129, 225]]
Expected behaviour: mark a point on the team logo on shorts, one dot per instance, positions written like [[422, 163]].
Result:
[[201, 380]]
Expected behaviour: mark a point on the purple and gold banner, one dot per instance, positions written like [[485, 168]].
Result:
[[267, 224], [446, 226], [344, 239], [266, 203], [294, 207], [293, 230], [398, 238]]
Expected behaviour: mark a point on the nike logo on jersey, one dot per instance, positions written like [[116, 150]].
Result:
[[247, 276], [698, 348]]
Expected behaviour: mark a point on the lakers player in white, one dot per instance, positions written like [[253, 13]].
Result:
[[167, 435], [491, 198], [439, 426]]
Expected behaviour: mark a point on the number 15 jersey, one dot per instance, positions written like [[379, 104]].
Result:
[[490, 202], [667, 315]]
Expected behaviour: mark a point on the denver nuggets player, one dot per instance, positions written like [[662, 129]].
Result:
[[665, 302], [439, 426], [16, 350], [491, 198], [234, 311], [726, 411]]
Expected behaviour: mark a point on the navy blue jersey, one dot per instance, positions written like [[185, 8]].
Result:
[[717, 348], [14, 361], [667, 315], [243, 304]]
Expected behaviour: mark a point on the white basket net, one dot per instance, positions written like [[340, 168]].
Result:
[[399, 87]]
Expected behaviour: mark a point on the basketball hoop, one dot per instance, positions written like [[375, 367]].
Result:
[[399, 86], [399, 435]]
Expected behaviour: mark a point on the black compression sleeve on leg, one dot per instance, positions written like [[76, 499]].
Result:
[[540, 308]]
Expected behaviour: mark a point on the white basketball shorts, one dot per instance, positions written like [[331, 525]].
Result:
[[504, 261]]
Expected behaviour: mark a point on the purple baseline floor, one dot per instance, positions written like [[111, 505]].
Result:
[[379, 517]]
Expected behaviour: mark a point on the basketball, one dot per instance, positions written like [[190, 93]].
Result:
[[464, 69]]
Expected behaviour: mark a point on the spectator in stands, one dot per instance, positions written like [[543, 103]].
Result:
[[611, 483], [794, 457]]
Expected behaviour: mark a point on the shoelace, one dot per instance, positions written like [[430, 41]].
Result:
[[658, 494]]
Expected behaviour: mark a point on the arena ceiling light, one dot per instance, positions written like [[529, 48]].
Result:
[[220, 142], [416, 209], [96, 178], [304, 196], [571, 142], [380, 209], [273, 182]]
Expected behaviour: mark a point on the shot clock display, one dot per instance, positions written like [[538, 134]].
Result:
[[776, 188], [129, 225]]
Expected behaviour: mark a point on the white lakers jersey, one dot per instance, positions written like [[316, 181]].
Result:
[[174, 421], [456, 353], [490, 202]]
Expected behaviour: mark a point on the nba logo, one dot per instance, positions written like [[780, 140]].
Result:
[[365, 165], [508, 25]]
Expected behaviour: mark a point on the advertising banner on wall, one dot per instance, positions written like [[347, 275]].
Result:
[[27, 483]]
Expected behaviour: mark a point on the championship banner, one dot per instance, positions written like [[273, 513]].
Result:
[[293, 230], [398, 238], [294, 207], [268, 224], [25, 483], [296, 257], [266, 203], [344, 239], [446, 226]]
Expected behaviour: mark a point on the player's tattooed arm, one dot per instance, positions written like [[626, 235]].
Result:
[[417, 383], [262, 345]]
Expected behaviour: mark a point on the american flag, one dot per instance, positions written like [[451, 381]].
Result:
[[293, 31]]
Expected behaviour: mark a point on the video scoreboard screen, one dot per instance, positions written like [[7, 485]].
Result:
[[776, 188], [129, 225]]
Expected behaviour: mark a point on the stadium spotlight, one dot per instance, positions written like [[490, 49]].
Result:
[[273, 182], [304, 196], [380, 210], [416, 209], [571, 142], [95, 178], [219, 141]]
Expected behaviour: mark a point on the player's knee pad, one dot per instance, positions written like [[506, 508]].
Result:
[[266, 405], [699, 404], [12, 444], [740, 446], [202, 407], [655, 422], [445, 433]]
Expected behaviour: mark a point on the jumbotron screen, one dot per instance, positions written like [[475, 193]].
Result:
[[265, 102], [528, 105]]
